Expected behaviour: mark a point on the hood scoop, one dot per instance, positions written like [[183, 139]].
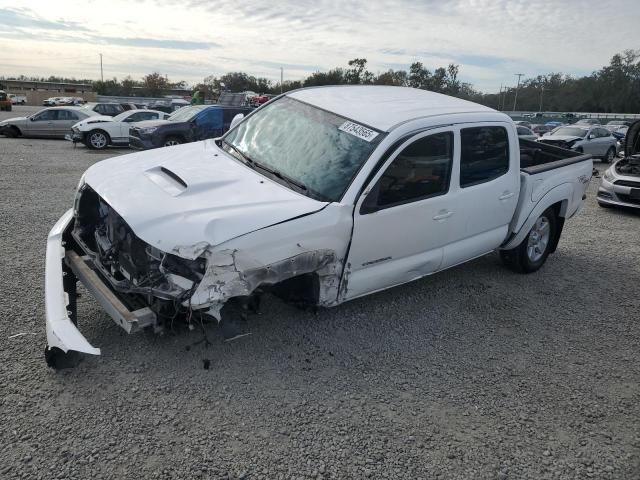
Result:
[[167, 180]]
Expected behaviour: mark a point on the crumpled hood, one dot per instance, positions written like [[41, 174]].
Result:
[[562, 138], [222, 199], [93, 119]]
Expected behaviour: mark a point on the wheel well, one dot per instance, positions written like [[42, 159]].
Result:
[[174, 135], [560, 211], [93, 130], [17, 130]]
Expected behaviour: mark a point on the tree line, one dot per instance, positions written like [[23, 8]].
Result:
[[613, 88]]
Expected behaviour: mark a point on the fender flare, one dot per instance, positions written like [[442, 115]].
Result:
[[559, 194]]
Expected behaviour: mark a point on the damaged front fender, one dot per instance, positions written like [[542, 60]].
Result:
[[234, 273]]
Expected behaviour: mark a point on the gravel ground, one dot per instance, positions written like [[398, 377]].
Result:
[[476, 372]]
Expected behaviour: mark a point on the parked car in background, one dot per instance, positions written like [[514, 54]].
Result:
[[615, 125], [189, 124], [129, 106], [524, 123], [595, 140], [108, 109], [540, 130], [620, 184], [99, 132], [51, 101], [53, 122], [525, 133], [17, 99], [588, 121], [553, 124], [322, 196], [5, 101], [169, 105]]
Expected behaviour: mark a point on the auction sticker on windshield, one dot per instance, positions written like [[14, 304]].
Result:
[[358, 131]]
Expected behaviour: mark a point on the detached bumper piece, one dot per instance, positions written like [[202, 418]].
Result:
[[63, 270]]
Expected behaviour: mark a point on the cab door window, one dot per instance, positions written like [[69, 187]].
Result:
[[422, 170], [484, 154]]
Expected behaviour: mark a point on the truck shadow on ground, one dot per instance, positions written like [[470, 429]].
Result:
[[452, 311]]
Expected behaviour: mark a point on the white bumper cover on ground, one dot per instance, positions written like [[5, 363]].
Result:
[[61, 332]]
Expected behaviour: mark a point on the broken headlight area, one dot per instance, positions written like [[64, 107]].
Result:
[[139, 273]]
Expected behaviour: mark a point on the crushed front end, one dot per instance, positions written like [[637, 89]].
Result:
[[138, 285]]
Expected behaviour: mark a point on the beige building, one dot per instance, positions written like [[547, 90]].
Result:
[[36, 92]]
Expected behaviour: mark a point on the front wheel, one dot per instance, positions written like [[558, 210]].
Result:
[[611, 153], [97, 139], [171, 141], [533, 251]]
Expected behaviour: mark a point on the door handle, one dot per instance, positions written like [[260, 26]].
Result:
[[506, 195], [443, 214]]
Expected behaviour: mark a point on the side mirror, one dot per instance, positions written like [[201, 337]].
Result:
[[236, 120], [591, 136], [32, 119]]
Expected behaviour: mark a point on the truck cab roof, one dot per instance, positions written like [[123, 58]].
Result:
[[385, 107]]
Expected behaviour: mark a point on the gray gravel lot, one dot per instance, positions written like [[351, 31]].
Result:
[[474, 373]]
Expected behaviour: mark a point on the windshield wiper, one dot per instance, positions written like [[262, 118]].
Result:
[[290, 181], [281, 176], [242, 154]]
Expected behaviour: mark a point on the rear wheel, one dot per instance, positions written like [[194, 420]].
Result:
[[97, 139], [533, 251], [171, 141], [611, 153]]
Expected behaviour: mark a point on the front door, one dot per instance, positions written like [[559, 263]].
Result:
[[41, 124], [401, 221]]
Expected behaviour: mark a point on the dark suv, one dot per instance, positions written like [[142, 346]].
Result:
[[107, 109], [189, 124]]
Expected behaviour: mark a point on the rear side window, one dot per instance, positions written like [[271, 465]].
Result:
[[484, 154], [421, 170]]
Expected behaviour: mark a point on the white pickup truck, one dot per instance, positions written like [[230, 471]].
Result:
[[321, 196]]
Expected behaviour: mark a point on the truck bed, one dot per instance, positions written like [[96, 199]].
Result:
[[538, 157]]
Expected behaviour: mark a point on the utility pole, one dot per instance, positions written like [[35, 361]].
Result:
[[541, 93], [515, 99], [281, 79], [101, 73], [499, 96]]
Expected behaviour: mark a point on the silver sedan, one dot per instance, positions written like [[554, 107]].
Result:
[[49, 123]]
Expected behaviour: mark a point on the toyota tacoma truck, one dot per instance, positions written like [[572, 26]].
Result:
[[319, 197]]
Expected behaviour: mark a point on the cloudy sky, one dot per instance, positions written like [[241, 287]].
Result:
[[190, 39]]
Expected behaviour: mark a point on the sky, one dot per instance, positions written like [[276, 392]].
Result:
[[188, 40]]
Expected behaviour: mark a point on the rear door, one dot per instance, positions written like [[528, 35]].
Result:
[[64, 121], [401, 222], [484, 193]]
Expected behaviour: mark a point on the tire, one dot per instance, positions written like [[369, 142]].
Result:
[[172, 141], [12, 132], [533, 251], [97, 140], [610, 155]]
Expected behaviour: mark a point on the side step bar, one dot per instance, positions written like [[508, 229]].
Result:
[[130, 321]]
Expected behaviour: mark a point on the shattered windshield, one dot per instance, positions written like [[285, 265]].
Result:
[[316, 150]]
